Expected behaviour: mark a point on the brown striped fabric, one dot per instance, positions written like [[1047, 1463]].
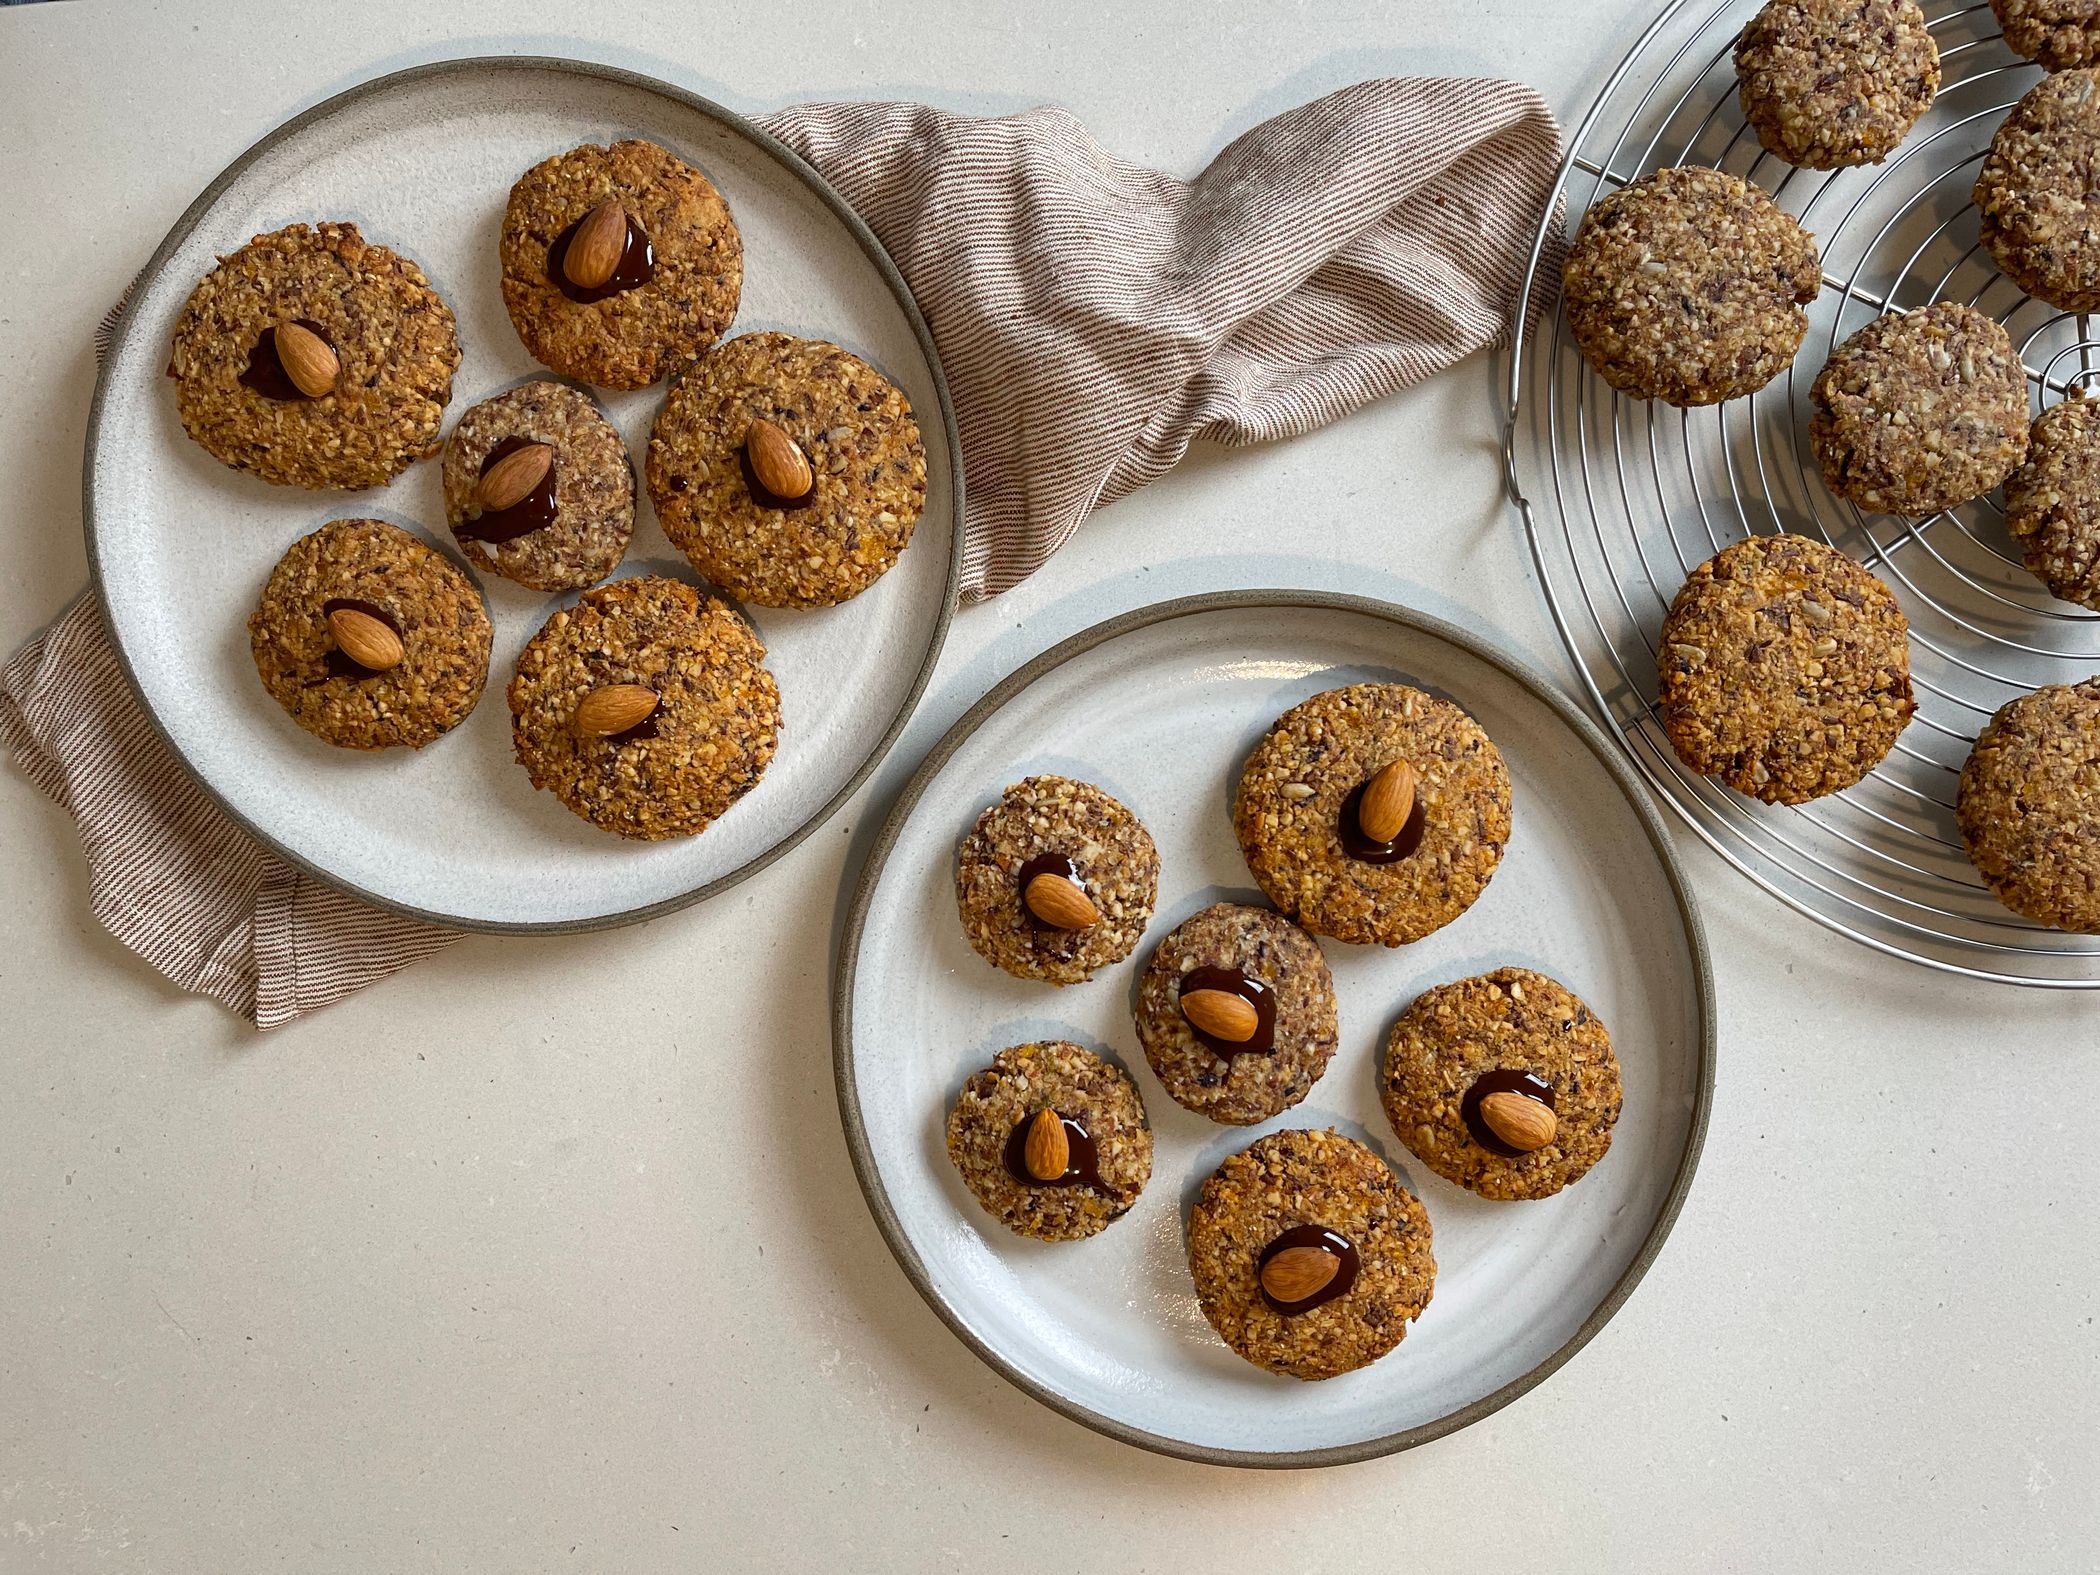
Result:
[[1093, 319]]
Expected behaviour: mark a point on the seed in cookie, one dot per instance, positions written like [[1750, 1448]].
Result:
[[1688, 286], [788, 470], [2029, 805], [1310, 1255], [1505, 1083], [1056, 881], [1831, 83], [646, 708], [2037, 212], [621, 264], [2057, 34], [312, 359], [1785, 669], [369, 639], [2052, 502], [1052, 1140], [1920, 411]]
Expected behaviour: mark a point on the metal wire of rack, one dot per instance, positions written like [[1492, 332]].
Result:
[[1631, 495]]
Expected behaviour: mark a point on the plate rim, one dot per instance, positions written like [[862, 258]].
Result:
[[127, 323], [877, 860]]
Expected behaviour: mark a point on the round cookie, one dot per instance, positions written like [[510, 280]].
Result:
[[1108, 1142], [1052, 825], [1832, 83], [702, 747], [1688, 286], [2052, 502], [2036, 212], [866, 481], [392, 338], [1304, 778], [656, 313], [1275, 967], [572, 528], [1920, 411], [1295, 1187], [1507, 1032], [2058, 34], [1785, 669], [2029, 805], [375, 573]]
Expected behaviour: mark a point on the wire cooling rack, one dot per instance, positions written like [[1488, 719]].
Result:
[[1622, 498]]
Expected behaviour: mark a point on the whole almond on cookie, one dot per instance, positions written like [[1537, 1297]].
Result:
[[1388, 800], [307, 360], [509, 482], [1520, 1121], [1298, 1272], [1060, 903], [614, 709], [1221, 1014], [778, 462], [366, 640], [595, 249], [1048, 1152]]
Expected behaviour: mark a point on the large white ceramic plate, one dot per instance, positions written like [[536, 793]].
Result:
[[1160, 707], [423, 161]]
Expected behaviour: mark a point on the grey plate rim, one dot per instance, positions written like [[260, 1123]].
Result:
[[864, 1170], [793, 164]]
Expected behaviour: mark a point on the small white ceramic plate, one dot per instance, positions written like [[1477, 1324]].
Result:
[[1161, 707], [423, 161]]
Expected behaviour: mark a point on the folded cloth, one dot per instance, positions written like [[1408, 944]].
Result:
[[1093, 319]]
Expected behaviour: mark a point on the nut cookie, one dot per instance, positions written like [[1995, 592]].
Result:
[[2052, 502], [1055, 881], [621, 264], [1785, 669], [1299, 813], [1688, 286], [1504, 1083], [370, 639], [2057, 34], [1832, 83], [312, 359], [788, 470], [2037, 213], [539, 489], [1236, 1013], [1310, 1255], [1920, 411], [2029, 805], [646, 708], [1052, 1140]]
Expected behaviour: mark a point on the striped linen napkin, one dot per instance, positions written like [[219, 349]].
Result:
[[1084, 308]]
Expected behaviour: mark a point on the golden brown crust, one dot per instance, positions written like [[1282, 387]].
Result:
[[1832, 83], [2029, 806], [2034, 197], [2052, 502], [2059, 34]]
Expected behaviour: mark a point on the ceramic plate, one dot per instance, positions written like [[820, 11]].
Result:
[[423, 162], [1161, 707]]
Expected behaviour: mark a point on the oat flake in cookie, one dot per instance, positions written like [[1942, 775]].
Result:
[[2029, 805], [669, 264], [788, 470], [564, 521], [359, 387], [2038, 214], [1921, 411], [2056, 33], [2052, 502], [646, 708], [1688, 286], [369, 638], [1309, 1254], [1831, 83], [1052, 1140]]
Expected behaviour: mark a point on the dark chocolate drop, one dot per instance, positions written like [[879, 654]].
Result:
[[1252, 991], [534, 511], [637, 265], [1358, 846], [1082, 1167], [339, 662], [1332, 1242], [265, 372], [1503, 1080]]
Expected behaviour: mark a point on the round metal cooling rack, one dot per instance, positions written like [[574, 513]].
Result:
[[1626, 497]]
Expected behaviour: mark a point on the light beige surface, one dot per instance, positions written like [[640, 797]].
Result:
[[548, 1256]]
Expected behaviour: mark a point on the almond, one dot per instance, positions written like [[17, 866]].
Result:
[[614, 709], [307, 360], [595, 249], [1298, 1272], [1388, 800], [778, 462], [509, 482], [1048, 1152], [1221, 1014], [366, 640], [1060, 903], [1520, 1121]]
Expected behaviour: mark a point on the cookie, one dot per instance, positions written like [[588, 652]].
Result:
[[830, 432], [366, 589], [2052, 502], [2029, 805], [1068, 835], [1504, 1083], [1052, 1140], [1785, 669], [569, 525], [1921, 411], [2058, 34], [646, 708], [675, 278], [373, 346], [1688, 286], [1243, 1063], [1831, 83], [1310, 1209], [2036, 211], [1298, 814]]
